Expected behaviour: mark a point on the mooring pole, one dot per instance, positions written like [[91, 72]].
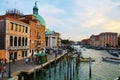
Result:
[[70, 69], [49, 70], [90, 75], [34, 74]]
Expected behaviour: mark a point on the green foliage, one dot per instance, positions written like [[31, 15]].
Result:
[[65, 41]]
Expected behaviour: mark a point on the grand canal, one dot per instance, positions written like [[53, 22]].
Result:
[[100, 70]]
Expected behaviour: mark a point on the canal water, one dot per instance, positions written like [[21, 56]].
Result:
[[69, 70]]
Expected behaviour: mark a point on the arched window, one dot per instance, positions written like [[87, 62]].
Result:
[[26, 42], [19, 41], [15, 41], [23, 41], [11, 41]]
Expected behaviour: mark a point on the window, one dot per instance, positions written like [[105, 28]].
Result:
[[19, 41], [15, 41], [16, 27], [11, 26], [19, 28], [26, 42], [22, 41], [26, 30], [23, 54], [11, 41]]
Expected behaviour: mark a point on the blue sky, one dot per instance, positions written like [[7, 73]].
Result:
[[74, 19]]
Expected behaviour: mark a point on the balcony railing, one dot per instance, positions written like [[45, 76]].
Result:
[[18, 47]]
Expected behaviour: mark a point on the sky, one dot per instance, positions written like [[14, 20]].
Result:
[[73, 19]]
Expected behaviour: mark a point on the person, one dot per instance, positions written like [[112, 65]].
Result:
[[26, 61], [4, 71], [0, 72]]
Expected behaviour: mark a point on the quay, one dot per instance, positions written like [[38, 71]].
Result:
[[21, 67]]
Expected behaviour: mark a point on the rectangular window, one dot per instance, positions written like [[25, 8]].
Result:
[[26, 30], [19, 28], [23, 54], [16, 27], [11, 26]]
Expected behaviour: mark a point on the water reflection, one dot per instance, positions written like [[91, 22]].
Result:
[[69, 69]]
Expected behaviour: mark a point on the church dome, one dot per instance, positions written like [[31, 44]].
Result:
[[38, 17]]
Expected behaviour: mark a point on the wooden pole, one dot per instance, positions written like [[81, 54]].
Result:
[[34, 74], [90, 75]]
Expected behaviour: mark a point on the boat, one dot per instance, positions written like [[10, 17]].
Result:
[[86, 59], [114, 52], [117, 60], [118, 78]]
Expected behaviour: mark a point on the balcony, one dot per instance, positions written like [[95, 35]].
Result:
[[18, 47]]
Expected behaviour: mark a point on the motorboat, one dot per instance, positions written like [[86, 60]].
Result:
[[117, 60], [114, 52]]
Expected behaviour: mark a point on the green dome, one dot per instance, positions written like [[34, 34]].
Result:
[[49, 32], [42, 21]]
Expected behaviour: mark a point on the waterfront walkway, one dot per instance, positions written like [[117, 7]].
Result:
[[20, 65]]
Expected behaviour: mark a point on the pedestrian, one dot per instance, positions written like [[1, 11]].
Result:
[[4, 71], [0, 72], [26, 61]]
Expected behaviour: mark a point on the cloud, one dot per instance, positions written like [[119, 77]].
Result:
[[112, 26]]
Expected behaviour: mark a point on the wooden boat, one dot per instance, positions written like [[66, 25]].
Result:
[[86, 60], [117, 60]]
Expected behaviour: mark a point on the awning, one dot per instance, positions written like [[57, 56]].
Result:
[[40, 54]]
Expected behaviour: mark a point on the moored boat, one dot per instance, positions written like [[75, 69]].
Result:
[[117, 60], [114, 52], [86, 60]]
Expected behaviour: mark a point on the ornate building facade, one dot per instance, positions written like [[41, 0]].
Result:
[[21, 35], [15, 36]]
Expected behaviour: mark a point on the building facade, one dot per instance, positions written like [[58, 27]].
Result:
[[15, 36], [53, 40], [21, 35]]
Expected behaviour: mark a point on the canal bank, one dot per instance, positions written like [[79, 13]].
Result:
[[20, 68], [100, 70]]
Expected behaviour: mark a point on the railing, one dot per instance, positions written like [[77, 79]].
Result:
[[18, 47]]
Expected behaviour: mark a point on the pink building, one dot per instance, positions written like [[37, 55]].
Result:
[[108, 39]]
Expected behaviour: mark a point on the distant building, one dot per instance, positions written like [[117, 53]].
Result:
[[85, 42], [53, 39], [94, 40], [108, 39]]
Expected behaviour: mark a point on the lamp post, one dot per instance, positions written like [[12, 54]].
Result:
[[9, 71]]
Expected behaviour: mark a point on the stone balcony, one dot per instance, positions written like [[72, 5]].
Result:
[[18, 47]]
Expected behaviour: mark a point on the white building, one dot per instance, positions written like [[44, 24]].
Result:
[[53, 39]]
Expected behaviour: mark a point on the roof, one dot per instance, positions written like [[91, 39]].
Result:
[[39, 18], [40, 54], [49, 32]]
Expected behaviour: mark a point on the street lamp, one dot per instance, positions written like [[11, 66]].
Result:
[[9, 71]]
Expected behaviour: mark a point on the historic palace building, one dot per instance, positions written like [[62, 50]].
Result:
[[21, 35], [15, 36], [105, 39]]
